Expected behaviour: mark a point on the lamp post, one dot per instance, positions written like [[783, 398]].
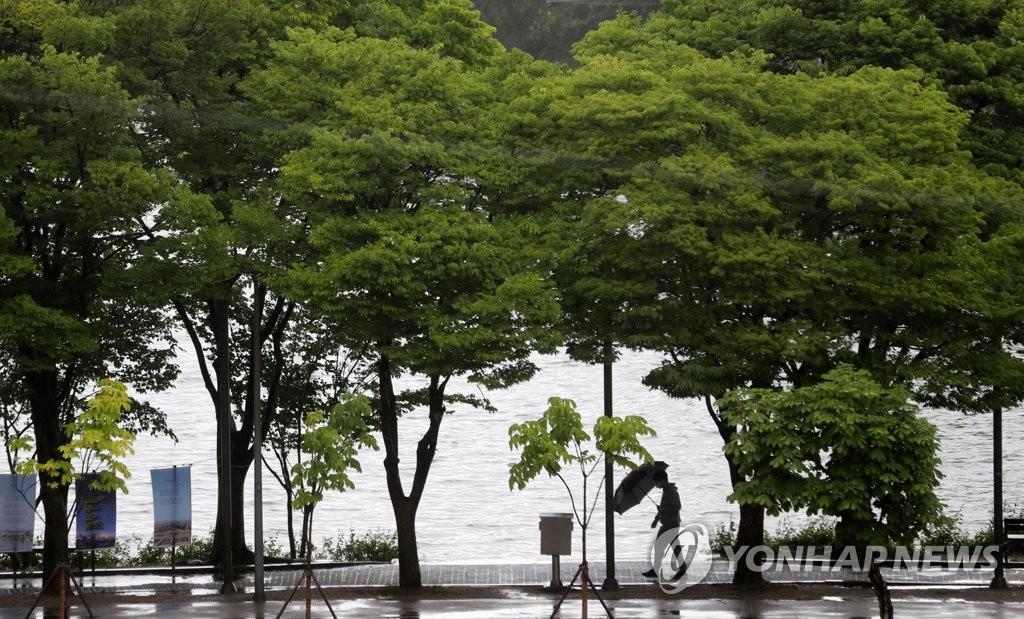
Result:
[[610, 583], [259, 595], [999, 578]]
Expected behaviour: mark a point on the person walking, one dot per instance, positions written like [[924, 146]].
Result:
[[668, 516]]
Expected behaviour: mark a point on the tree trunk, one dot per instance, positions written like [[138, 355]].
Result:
[[49, 437], [881, 591], [222, 537], [290, 518], [306, 547], [218, 385], [408, 554], [750, 533], [241, 463], [404, 506]]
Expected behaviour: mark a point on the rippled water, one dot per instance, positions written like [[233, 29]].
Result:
[[468, 512]]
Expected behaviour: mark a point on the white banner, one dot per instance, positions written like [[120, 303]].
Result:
[[17, 512], [172, 506]]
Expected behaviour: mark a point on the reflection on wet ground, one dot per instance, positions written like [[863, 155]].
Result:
[[455, 591]]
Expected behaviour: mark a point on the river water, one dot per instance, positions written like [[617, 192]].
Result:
[[468, 512]]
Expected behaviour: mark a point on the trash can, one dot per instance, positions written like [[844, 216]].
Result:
[[556, 540]]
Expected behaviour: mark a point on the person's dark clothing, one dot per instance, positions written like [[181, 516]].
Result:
[[668, 510]]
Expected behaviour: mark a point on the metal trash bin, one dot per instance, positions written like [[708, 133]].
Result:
[[556, 540]]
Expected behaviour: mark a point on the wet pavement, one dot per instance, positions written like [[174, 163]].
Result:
[[489, 608], [474, 591]]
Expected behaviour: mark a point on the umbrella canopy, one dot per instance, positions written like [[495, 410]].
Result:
[[635, 485]]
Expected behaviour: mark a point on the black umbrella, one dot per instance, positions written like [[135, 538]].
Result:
[[635, 485]]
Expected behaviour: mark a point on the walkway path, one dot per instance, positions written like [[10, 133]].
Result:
[[494, 591], [627, 573]]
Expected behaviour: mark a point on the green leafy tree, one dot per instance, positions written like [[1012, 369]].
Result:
[[557, 439], [845, 447], [414, 263], [93, 448], [319, 374], [74, 305], [96, 442], [972, 52], [767, 227], [331, 443], [224, 232]]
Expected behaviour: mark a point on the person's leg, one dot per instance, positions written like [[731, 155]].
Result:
[[679, 559], [661, 543], [656, 552]]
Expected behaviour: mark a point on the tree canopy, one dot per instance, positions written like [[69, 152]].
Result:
[[844, 447], [973, 50], [413, 260], [764, 192], [75, 302], [762, 227]]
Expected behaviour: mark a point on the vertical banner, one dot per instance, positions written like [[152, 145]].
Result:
[[172, 506], [97, 515], [17, 512]]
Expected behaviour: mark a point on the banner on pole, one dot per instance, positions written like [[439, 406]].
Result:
[[17, 512], [96, 525], [172, 507]]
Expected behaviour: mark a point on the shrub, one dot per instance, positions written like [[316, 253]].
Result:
[[819, 531], [723, 538], [949, 532], [133, 552], [370, 546]]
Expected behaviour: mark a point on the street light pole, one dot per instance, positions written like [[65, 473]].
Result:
[[610, 582], [259, 595], [998, 579]]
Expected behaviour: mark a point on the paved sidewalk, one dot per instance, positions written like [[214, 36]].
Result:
[[627, 573], [471, 591]]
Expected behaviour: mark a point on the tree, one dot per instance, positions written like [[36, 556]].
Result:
[[96, 442], [224, 231], [92, 449], [972, 50], [319, 376], [332, 443], [414, 263], [844, 447], [75, 308], [557, 439], [768, 227]]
